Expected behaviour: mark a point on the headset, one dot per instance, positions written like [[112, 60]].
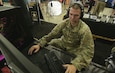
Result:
[[110, 61], [110, 64], [81, 8]]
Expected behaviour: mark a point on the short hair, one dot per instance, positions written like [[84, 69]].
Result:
[[76, 6]]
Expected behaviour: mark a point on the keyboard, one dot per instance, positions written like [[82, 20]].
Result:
[[55, 64]]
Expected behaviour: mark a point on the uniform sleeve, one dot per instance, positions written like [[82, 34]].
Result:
[[53, 34], [85, 52]]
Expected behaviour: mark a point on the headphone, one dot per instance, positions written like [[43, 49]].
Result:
[[74, 4], [81, 8], [110, 64]]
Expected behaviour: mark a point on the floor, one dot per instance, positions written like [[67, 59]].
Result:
[[52, 18]]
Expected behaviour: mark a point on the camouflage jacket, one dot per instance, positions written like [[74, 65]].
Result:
[[77, 40]]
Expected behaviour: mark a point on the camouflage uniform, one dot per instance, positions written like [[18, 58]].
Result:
[[77, 40]]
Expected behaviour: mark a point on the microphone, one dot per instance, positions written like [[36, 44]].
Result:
[[113, 50]]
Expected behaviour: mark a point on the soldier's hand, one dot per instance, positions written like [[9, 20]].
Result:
[[33, 49], [70, 68]]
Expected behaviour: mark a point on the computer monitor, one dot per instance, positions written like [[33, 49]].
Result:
[[14, 27], [16, 61]]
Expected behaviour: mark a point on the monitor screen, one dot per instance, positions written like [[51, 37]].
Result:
[[14, 27], [15, 36], [16, 61]]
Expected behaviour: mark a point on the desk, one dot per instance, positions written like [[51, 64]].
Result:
[[105, 37], [39, 58], [102, 29]]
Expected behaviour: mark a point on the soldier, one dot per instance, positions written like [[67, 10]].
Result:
[[1, 3], [91, 4], [99, 6], [113, 12], [76, 38]]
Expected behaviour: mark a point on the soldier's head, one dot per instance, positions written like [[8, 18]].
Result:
[[75, 13]]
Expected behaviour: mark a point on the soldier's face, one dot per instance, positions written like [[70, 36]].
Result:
[[74, 15]]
